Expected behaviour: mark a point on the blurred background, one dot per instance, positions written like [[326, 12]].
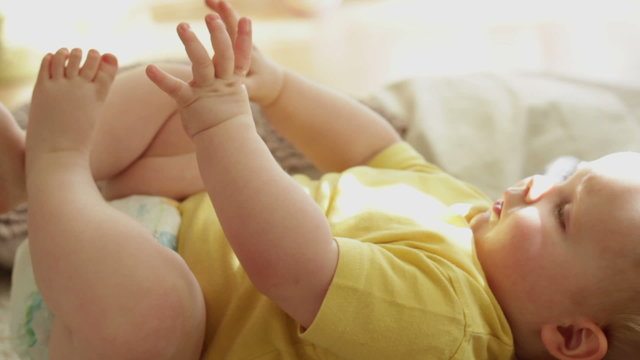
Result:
[[352, 45]]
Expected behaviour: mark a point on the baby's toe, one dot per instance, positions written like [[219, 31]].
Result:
[[73, 67], [45, 69], [106, 71], [58, 62], [91, 65], [108, 67]]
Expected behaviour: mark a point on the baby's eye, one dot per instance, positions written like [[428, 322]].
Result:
[[560, 216]]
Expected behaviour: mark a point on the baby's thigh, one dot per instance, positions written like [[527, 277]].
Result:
[[170, 140], [134, 113], [175, 177]]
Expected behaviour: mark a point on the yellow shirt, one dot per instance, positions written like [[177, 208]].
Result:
[[407, 286]]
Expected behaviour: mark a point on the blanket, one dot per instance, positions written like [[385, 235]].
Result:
[[493, 130]]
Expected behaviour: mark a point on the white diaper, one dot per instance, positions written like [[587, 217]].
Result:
[[31, 320]]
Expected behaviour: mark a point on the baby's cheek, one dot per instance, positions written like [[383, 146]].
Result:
[[526, 241], [527, 225]]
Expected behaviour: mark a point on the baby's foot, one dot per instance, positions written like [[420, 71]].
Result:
[[67, 100], [12, 182]]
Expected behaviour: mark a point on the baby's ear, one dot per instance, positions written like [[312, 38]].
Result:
[[581, 340]]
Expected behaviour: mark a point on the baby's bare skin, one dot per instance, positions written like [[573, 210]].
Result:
[[54, 127], [100, 247], [134, 106], [66, 104]]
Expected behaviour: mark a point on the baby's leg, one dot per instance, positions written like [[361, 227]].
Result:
[[115, 292], [140, 145]]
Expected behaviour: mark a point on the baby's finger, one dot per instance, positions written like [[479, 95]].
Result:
[[228, 15], [222, 46], [172, 86], [230, 19], [201, 65], [243, 47]]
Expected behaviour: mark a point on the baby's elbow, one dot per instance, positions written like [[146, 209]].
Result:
[[276, 277], [297, 286], [269, 277], [294, 293]]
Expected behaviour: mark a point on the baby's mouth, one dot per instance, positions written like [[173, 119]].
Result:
[[497, 207]]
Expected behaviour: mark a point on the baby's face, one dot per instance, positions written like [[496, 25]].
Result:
[[546, 242]]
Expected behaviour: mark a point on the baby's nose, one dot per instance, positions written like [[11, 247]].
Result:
[[530, 190], [514, 197], [538, 186]]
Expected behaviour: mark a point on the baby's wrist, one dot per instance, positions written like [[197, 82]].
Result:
[[242, 121]]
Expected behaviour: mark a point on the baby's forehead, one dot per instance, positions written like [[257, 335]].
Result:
[[607, 193]]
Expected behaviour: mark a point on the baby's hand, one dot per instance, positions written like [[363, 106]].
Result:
[[217, 93], [265, 77]]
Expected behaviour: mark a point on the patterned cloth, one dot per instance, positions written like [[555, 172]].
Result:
[[13, 230], [13, 225]]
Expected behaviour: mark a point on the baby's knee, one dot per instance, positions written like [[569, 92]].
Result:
[[170, 325], [173, 326]]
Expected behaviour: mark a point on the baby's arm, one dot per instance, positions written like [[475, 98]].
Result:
[[333, 130], [278, 233]]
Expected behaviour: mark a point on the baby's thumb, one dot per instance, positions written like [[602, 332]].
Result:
[[171, 85]]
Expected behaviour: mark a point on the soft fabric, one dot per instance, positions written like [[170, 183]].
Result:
[[407, 285], [31, 319], [13, 230]]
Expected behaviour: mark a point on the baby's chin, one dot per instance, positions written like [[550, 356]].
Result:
[[479, 224]]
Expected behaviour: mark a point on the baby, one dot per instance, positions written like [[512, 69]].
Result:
[[384, 257]]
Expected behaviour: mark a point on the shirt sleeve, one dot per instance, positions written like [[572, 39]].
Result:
[[388, 302], [402, 156]]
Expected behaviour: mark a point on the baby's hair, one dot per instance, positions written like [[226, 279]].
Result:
[[619, 309], [623, 327], [623, 335]]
